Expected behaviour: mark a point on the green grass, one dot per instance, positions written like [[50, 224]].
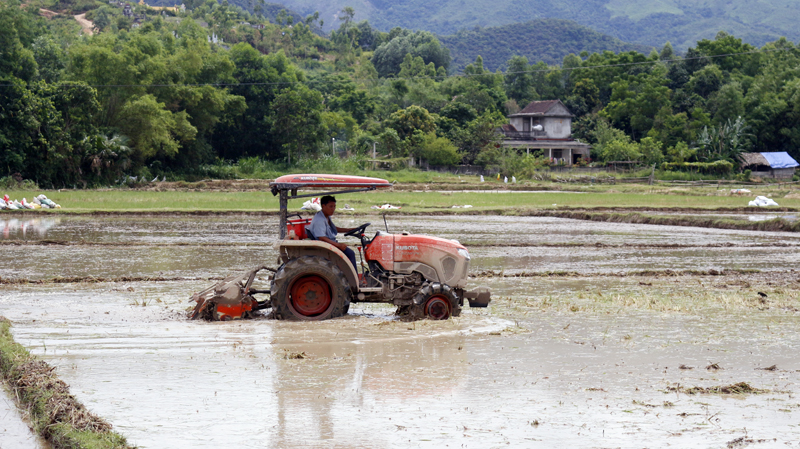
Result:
[[615, 196]]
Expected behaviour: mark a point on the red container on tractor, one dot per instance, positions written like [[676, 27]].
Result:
[[425, 277], [297, 227]]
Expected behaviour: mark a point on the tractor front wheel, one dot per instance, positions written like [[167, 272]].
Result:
[[434, 301], [309, 288]]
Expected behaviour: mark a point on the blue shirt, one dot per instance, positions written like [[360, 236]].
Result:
[[322, 226]]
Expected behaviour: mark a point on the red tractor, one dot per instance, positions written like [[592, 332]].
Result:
[[425, 277]]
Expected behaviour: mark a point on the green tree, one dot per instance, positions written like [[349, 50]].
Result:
[[621, 150], [728, 103], [652, 152], [296, 120], [681, 152], [389, 143], [390, 55], [604, 133], [519, 81], [16, 61], [478, 136], [50, 58], [667, 53], [437, 150], [410, 119], [706, 81], [636, 101], [152, 129]]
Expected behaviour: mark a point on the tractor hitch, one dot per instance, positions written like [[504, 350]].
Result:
[[229, 299], [480, 297]]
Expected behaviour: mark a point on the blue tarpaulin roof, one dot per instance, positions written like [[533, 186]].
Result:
[[780, 160]]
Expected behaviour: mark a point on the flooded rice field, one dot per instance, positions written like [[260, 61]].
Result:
[[600, 357]]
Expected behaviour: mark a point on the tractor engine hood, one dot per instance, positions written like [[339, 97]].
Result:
[[437, 259]]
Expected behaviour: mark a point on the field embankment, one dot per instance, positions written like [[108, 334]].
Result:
[[54, 413]]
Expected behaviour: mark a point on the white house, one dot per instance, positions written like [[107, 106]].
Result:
[[546, 126]]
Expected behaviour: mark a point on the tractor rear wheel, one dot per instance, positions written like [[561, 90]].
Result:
[[309, 288], [434, 301]]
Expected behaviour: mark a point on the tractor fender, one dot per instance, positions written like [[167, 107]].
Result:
[[292, 249]]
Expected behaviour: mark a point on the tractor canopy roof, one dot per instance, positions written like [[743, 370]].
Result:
[[292, 182]]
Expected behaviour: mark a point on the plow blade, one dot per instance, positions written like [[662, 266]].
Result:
[[228, 299], [479, 297]]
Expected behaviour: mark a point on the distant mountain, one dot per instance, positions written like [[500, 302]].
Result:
[[547, 40], [648, 22], [269, 10]]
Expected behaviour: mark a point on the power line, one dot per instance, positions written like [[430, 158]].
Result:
[[412, 78]]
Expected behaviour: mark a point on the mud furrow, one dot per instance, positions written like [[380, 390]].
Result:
[[126, 244], [96, 280], [791, 274], [643, 273]]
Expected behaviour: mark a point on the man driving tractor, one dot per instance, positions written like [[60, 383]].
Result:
[[323, 229], [424, 276]]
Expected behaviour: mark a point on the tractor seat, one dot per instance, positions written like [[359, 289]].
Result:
[[310, 234]]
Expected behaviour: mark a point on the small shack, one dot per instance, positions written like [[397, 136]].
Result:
[[777, 165]]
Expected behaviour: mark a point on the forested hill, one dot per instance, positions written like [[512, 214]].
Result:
[[649, 22], [547, 40], [145, 93]]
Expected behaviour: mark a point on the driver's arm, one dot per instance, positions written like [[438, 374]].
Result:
[[343, 230], [341, 246]]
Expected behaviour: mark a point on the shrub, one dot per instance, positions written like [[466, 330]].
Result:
[[438, 150], [716, 167], [10, 183]]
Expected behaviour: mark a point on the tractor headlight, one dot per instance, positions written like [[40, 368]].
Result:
[[464, 253]]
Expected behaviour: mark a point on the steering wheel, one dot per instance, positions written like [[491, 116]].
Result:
[[355, 232]]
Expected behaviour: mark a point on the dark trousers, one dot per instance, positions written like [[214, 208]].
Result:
[[352, 256]]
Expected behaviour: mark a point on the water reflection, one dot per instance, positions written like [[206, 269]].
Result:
[[16, 229], [354, 366], [771, 217]]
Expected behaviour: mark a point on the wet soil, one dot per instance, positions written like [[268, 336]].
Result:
[[590, 355]]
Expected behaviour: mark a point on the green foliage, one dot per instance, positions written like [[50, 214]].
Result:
[[332, 164], [164, 100], [547, 40], [511, 162], [716, 167], [723, 142], [620, 150], [413, 118], [153, 130], [9, 183], [681, 152], [438, 151], [389, 56], [651, 150], [296, 120], [603, 134]]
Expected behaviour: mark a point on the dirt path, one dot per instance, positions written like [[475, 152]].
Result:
[[86, 25], [47, 13]]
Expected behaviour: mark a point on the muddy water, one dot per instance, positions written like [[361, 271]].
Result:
[[210, 246], [14, 433], [515, 375]]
